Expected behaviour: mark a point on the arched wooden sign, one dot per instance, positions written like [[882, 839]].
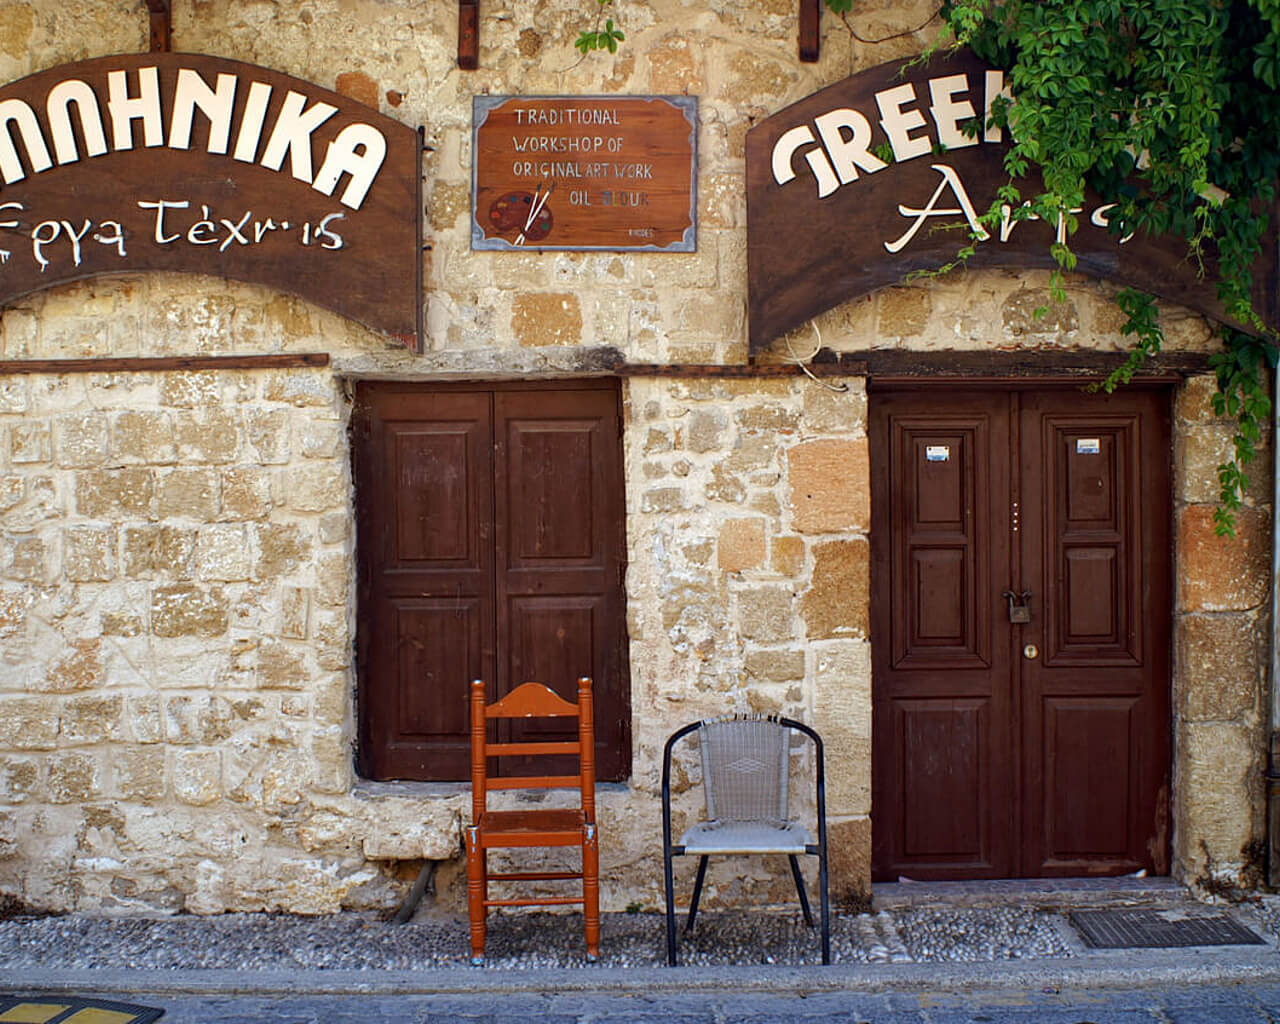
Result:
[[856, 186], [181, 162]]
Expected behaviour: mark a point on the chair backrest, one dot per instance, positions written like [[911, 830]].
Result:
[[532, 700], [745, 768]]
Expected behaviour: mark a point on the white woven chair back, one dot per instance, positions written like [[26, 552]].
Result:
[[745, 764]]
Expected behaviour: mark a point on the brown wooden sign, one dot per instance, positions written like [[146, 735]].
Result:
[[856, 186], [181, 162], [584, 172]]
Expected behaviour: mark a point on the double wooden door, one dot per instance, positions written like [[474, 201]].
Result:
[[1020, 632], [490, 545]]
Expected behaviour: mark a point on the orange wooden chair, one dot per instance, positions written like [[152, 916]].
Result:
[[534, 827]]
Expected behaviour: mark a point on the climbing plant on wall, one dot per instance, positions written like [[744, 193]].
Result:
[[1169, 109]]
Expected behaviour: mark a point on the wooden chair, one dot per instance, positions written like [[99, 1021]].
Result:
[[534, 827]]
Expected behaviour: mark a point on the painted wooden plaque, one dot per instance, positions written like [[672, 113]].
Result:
[[182, 162], [853, 188], [584, 172]]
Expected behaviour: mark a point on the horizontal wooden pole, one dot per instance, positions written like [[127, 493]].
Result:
[[163, 364], [531, 747], [535, 782], [556, 902]]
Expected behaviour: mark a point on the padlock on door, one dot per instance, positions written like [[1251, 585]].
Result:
[[1019, 606]]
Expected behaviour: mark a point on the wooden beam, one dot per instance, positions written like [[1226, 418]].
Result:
[[163, 364], [468, 34], [161, 27], [810, 34]]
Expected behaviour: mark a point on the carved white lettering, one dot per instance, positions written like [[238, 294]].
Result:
[[15, 112]]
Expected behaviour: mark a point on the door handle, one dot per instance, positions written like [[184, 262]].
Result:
[[1019, 606]]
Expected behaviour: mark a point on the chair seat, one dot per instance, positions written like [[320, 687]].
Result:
[[522, 824], [745, 837]]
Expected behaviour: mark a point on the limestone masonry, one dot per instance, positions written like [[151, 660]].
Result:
[[177, 549]]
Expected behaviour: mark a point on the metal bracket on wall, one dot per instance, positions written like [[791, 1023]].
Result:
[[468, 34], [161, 34], [810, 36]]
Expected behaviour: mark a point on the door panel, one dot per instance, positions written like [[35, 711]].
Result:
[[490, 542], [992, 757], [424, 490], [1096, 703], [940, 721]]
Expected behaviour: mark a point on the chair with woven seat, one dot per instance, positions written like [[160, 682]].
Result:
[[745, 779], [534, 827]]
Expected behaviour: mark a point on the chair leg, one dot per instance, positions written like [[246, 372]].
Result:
[[591, 891], [668, 877], [826, 914], [697, 893], [804, 899], [476, 887]]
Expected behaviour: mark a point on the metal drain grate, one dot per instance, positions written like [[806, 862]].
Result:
[[1149, 929]]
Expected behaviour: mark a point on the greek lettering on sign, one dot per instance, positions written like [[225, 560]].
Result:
[[357, 152]]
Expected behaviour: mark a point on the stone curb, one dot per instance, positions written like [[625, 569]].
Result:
[[1185, 967]]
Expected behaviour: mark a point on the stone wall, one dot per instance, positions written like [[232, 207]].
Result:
[[176, 549]]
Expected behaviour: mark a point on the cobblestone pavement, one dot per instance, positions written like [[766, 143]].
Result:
[[1198, 1004]]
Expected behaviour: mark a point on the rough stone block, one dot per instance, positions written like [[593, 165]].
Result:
[[741, 544], [138, 773], [294, 605], [849, 860], [542, 319], [144, 436], [92, 718], [267, 435], [766, 614], [29, 723], [187, 610], [902, 312], [335, 573], [1032, 311], [207, 435], [704, 430], [830, 486], [772, 666], [1222, 573], [115, 493], [79, 667], [331, 639], [836, 412], [20, 779], [143, 717], [197, 776], [663, 499], [768, 419], [30, 441], [74, 777], [281, 666], [89, 554], [198, 719], [29, 561], [188, 494], [1215, 790], [726, 485], [837, 603], [80, 440], [331, 749], [318, 488], [842, 716], [788, 556], [222, 553], [301, 388], [1221, 674]]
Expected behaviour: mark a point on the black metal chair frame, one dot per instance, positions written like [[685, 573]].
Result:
[[819, 849]]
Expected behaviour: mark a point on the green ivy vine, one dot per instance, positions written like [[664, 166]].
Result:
[[1168, 108]]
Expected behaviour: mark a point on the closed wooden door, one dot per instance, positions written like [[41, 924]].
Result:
[[1020, 633], [490, 545]]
